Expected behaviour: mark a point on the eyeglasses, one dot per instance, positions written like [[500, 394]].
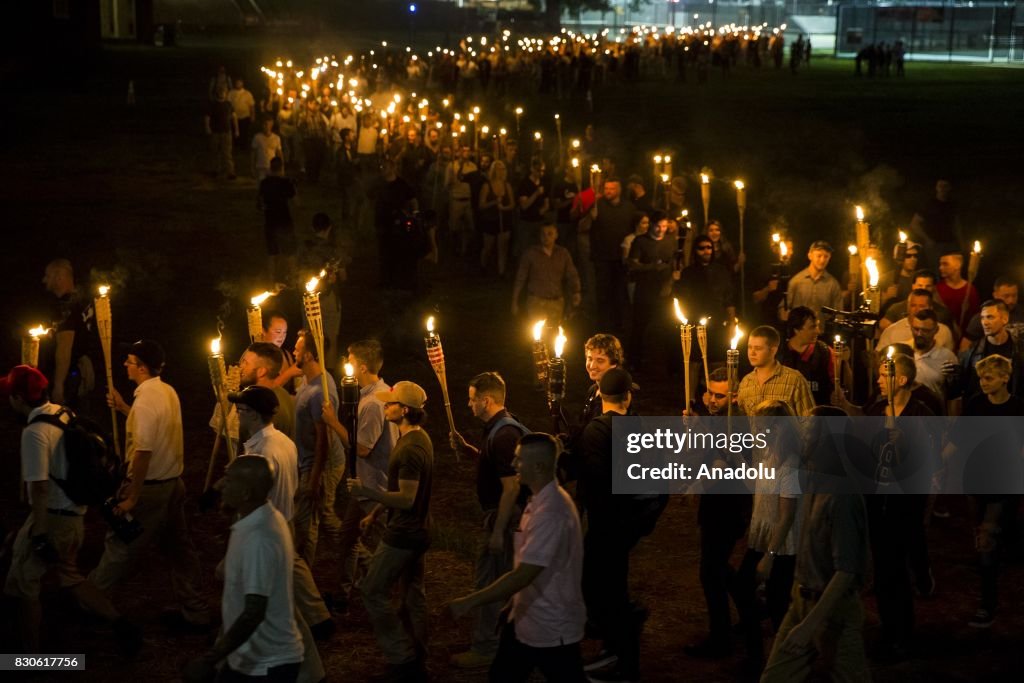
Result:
[[924, 330], [131, 362]]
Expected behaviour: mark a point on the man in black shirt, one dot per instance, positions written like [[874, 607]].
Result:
[[806, 353], [936, 223], [394, 201], [70, 366], [651, 262], [705, 289], [639, 196], [563, 194], [997, 339], [222, 128], [275, 192], [611, 221], [498, 493], [533, 205]]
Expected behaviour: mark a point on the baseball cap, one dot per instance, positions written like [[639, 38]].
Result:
[[261, 399], [150, 353], [615, 382], [407, 393], [25, 381], [821, 244]]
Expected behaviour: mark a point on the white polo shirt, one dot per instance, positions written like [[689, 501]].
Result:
[[43, 458], [154, 424], [273, 445], [550, 611], [929, 367], [259, 562]]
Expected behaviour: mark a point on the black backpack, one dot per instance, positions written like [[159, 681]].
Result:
[[94, 469]]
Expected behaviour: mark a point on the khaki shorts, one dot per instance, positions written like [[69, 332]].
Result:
[[28, 569]]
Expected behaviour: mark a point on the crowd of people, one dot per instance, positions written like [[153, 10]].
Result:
[[553, 567]]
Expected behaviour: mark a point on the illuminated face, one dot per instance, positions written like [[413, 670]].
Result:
[[949, 266], [809, 332], [659, 228], [548, 236], [759, 353], [924, 283], [478, 404], [249, 368], [819, 259], [131, 364], [992, 382], [643, 226], [1007, 294], [612, 191], [300, 350], [917, 303], [993, 320], [394, 412], [276, 332], [924, 333], [883, 381], [717, 397], [715, 232], [598, 363]]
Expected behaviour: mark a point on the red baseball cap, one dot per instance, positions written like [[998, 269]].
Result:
[[24, 381]]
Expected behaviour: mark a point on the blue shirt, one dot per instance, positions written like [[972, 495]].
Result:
[[309, 413]]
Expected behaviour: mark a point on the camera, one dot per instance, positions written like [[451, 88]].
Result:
[[125, 527], [853, 323]]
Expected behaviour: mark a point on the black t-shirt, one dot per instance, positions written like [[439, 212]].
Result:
[[980, 405], [648, 252], [71, 313], [527, 188], [993, 446], [565, 190], [815, 368], [496, 454], [607, 231], [710, 285], [411, 459], [392, 198], [220, 116], [275, 193]]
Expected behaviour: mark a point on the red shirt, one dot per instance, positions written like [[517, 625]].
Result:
[[954, 300]]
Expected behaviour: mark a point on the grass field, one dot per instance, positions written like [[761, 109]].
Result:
[[123, 190]]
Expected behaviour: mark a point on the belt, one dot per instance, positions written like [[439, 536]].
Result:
[[156, 482], [62, 513]]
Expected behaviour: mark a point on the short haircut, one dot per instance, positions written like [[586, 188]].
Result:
[[925, 273], [921, 292], [270, 357], [719, 375], [612, 179], [609, 345], [268, 317], [311, 345], [798, 317], [543, 445], [1005, 281], [996, 363], [768, 333], [926, 314], [998, 304], [369, 353], [905, 367], [415, 416], [954, 253], [489, 384]]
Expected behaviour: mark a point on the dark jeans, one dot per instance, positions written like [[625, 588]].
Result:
[[606, 549], [892, 522], [718, 579], [777, 590], [285, 673], [516, 661]]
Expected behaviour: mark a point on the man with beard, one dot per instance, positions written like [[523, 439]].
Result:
[[260, 366], [931, 359], [899, 331], [709, 281]]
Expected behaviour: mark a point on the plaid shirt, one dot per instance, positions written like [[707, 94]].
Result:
[[784, 384]]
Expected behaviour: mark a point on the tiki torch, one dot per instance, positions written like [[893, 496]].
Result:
[[556, 381], [741, 206], [540, 352], [595, 176], [863, 234], [435, 354], [101, 305], [705, 191], [854, 268], [686, 340], [890, 384], [702, 342], [311, 302], [657, 173], [218, 380], [973, 264], [350, 416], [519, 114], [871, 294], [837, 366], [30, 346], [558, 130], [732, 364], [254, 316]]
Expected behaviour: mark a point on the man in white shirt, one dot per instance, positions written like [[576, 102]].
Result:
[[266, 145], [930, 358], [153, 492], [244, 105], [545, 625], [260, 639], [899, 331], [54, 531]]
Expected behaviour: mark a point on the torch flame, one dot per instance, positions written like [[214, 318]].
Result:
[[349, 370], [903, 237], [852, 249], [664, 177], [977, 247], [37, 331], [536, 135], [872, 267], [839, 339], [860, 214], [889, 353], [594, 168], [703, 322], [560, 343], [735, 338], [575, 162], [312, 284], [776, 237], [739, 184], [679, 311], [430, 324], [704, 179], [538, 329], [104, 290], [260, 298], [215, 346], [657, 158], [783, 250]]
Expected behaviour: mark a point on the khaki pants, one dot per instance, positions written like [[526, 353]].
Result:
[[838, 651], [27, 568], [356, 546], [223, 159], [545, 309], [161, 511], [310, 516]]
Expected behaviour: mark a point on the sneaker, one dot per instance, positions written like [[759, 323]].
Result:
[[983, 618], [601, 659], [612, 672], [471, 659]]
